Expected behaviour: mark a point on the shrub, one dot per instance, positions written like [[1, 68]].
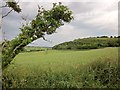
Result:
[[106, 72]]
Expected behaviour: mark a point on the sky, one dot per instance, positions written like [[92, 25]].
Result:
[[91, 18]]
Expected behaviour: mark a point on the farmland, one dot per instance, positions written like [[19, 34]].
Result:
[[64, 69], [57, 59]]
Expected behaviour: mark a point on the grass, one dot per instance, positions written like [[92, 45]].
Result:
[[31, 49], [60, 69], [57, 59]]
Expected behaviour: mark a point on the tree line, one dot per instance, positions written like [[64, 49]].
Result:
[[90, 43]]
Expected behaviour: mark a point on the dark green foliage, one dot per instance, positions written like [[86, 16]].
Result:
[[46, 22], [106, 72], [104, 37], [14, 5], [89, 43]]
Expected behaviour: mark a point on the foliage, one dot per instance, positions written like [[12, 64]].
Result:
[[89, 43], [14, 5], [65, 69], [106, 72], [46, 22]]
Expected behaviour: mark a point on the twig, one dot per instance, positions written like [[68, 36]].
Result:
[[46, 39], [16, 48], [4, 6], [38, 7], [7, 13]]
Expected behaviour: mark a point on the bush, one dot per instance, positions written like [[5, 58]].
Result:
[[106, 72]]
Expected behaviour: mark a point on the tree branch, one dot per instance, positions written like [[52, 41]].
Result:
[[4, 6], [46, 39], [7, 13], [16, 49]]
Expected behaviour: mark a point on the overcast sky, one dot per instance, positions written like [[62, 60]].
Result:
[[91, 18]]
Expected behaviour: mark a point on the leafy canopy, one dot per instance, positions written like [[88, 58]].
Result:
[[45, 22]]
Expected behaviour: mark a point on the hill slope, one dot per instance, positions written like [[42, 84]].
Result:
[[89, 43]]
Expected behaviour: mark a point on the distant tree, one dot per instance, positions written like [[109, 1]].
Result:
[[111, 36], [118, 36], [45, 22], [115, 36], [104, 36]]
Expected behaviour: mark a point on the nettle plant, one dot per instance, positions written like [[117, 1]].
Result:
[[45, 22]]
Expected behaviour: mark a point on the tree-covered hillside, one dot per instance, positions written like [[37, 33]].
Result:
[[90, 43]]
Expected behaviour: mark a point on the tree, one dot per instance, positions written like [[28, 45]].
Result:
[[111, 36], [45, 22]]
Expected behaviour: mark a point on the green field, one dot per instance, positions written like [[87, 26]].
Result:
[[56, 59], [58, 68]]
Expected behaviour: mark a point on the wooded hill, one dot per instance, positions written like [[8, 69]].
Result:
[[90, 43]]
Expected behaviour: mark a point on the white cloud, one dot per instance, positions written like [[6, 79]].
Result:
[[108, 20], [103, 16]]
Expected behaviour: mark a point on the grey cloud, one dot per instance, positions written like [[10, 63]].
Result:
[[82, 7], [85, 24], [11, 26]]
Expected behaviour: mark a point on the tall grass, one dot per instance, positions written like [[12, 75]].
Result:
[[99, 73]]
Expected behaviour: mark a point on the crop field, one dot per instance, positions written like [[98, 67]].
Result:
[[61, 68], [65, 59]]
